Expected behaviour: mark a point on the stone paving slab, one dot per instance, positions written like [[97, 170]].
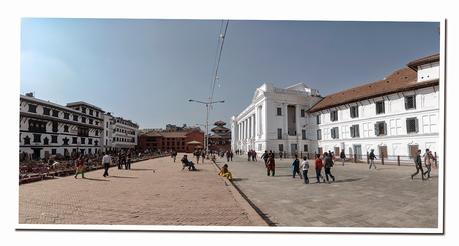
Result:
[[153, 192], [385, 197]]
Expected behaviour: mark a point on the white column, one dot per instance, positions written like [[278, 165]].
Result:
[[298, 121], [254, 125], [250, 127], [285, 128]]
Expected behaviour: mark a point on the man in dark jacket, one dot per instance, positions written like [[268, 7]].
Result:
[[342, 156], [418, 163], [328, 165], [372, 158]]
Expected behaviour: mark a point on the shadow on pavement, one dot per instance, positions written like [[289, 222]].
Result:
[[347, 180], [142, 169], [93, 179], [124, 177], [239, 179]]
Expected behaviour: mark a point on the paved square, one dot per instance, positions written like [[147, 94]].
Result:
[[154, 192], [385, 197]]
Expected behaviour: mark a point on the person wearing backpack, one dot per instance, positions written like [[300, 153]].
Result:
[[328, 165]]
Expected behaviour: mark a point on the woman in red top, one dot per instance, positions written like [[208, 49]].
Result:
[[319, 165]]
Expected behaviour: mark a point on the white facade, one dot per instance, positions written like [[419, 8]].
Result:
[[405, 129], [276, 120], [119, 133], [48, 129]]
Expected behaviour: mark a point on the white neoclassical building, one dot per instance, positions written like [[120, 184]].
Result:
[[276, 120], [395, 116]]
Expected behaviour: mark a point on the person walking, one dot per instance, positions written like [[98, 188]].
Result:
[[231, 155], [428, 160], [271, 165], [265, 156], [249, 155], [173, 155], [328, 165], [227, 156], [372, 158], [305, 168], [198, 154], [418, 163], [342, 155], [79, 167], [318, 166], [106, 161], [128, 162], [296, 167]]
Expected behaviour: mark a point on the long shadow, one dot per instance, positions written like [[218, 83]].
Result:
[[93, 179], [142, 169], [124, 177], [239, 179], [347, 180]]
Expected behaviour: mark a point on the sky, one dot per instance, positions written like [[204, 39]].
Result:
[[146, 70]]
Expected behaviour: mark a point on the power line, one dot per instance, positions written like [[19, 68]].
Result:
[[222, 38]]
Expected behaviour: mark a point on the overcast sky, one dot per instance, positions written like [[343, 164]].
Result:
[[146, 70]]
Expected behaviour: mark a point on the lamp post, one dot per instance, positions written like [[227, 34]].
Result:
[[207, 118]]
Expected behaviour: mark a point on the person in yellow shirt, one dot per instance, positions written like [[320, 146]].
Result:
[[225, 173]]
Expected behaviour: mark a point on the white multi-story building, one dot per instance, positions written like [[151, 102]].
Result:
[[48, 128], [276, 120], [119, 133], [395, 116]]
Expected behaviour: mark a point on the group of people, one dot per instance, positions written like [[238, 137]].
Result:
[[270, 163], [251, 155], [229, 155], [325, 162], [199, 154], [429, 159]]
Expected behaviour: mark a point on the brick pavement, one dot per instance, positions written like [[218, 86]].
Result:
[[154, 192], [386, 197]]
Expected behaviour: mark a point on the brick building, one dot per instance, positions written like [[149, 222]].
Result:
[[181, 141]]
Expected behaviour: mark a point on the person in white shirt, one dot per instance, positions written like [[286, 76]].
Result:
[[305, 168], [106, 161]]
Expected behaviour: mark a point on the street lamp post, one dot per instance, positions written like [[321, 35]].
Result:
[[207, 118]]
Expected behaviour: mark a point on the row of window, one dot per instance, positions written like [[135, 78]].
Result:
[[91, 112], [124, 122], [410, 103], [126, 140], [55, 113], [412, 126], [291, 133], [40, 126], [131, 132], [281, 147], [302, 112], [37, 139]]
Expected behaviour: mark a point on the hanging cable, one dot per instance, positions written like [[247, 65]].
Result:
[[215, 78]]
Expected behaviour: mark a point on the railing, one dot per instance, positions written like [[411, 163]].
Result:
[[360, 158]]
